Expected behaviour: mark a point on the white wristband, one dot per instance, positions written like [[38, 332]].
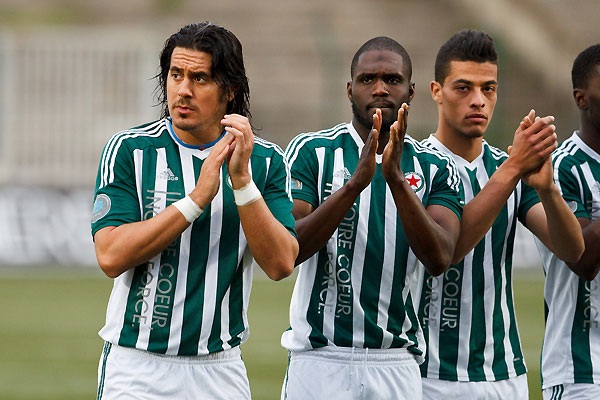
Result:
[[247, 194], [190, 210]]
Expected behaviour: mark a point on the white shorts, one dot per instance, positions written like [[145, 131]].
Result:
[[333, 373], [572, 391], [126, 373], [512, 388]]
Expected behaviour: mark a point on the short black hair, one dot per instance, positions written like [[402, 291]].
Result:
[[466, 45], [227, 63], [583, 66], [382, 43]]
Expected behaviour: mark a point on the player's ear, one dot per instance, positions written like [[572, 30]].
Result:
[[411, 92], [580, 99], [349, 90], [436, 91]]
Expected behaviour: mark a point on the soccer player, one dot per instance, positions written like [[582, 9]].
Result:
[[363, 193], [182, 206], [473, 349], [571, 351]]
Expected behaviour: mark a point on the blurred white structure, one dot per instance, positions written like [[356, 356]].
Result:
[[63, 93]]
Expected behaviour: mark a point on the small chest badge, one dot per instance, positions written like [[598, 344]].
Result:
[[415, 180]]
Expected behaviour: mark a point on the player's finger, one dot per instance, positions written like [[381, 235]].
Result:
[[509, 150]]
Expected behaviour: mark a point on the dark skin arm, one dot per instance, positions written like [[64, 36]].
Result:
[[315, 226], [589, 264], [431, 233]]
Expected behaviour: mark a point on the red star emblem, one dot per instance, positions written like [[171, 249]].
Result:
[[413, 181]]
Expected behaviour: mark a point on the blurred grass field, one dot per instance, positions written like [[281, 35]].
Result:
[[49, 347]]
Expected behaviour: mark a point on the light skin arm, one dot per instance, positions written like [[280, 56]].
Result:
[[273, 247], [532, 144], [431, 233], [119, 248], [315, 226]]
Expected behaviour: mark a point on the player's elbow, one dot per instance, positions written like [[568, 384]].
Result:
[[110, 265], [437, 264], [280, 272], [282, 265]]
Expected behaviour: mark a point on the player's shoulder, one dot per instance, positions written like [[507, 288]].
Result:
[[494, 153], [565, 155], [322, 138], [266, 149], [139, 136], [425, 151]]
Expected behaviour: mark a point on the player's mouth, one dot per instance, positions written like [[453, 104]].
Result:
[[380, 104], [477, 118]]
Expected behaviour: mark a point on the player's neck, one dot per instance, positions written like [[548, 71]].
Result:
[[590, 134], [364, 132], [199, 136], [467, 148]]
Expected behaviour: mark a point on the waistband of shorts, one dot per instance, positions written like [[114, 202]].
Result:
[[233, 354], [354, 354]]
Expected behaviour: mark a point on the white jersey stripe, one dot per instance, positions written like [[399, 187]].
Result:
[[211, 275], [387, 273], [160, 187], [358, 265], [189, 180], [331, 294]]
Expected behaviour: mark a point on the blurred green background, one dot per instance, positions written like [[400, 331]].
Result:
[[49, 347]]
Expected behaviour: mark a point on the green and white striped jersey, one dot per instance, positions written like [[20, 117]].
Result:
[[467, 313], [356, 290], [192, 298], [571, 349]]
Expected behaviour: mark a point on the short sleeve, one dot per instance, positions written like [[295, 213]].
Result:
[[115, 200], [446, 188], [304, 175], [277, 193], [529, 198], [566, 177]]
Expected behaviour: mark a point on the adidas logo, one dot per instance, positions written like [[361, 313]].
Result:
[[168, 175], [343, 173]]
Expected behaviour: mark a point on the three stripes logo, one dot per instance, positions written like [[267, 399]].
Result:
[[168, 175]]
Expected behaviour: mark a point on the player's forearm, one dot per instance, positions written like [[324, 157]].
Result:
[[126, 246], [563, 228], [273, 247], [588, 265], [480, 213], [315, 229], [430, 242]]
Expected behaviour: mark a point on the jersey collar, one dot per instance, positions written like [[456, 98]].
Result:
[[191, 146]]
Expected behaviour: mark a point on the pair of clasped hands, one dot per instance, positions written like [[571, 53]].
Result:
[[235, 148]]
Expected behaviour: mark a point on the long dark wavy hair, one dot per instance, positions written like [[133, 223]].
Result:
[[227, 63]]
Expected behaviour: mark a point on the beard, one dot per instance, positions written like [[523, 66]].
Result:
[[366, 120]]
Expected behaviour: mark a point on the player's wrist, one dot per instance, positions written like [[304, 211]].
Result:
[[188, 208], [240, 180], [246, 194]]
